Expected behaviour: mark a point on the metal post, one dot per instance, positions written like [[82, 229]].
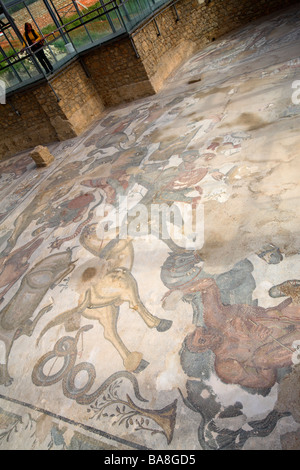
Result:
[[107, 16], [176, 13], [16, 30], [16, 52], [11, 65], [157, 28], [64, 34], [16, 111], [56, 22], [80, 19], [134, 47], [120, 16], [56, 95], [11, 21], [85, 68], [140, 8], [151, 4], [20, 37], [125, 10], [37, 26]]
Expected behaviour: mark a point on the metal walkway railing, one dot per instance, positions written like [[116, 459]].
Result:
[[68, 37]]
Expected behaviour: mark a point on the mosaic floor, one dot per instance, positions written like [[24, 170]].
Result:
[[120, 330]]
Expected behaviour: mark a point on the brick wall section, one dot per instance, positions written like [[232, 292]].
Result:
[[27, 130], [120, 76], [80, 103], [43, 119], [199, 23], [117, 75]]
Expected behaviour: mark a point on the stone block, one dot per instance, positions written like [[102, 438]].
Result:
[[42, 156]]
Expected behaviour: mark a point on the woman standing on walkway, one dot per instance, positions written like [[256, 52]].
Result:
[[32, 38]]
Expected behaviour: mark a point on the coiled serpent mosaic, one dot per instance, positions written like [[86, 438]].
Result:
[[66, 348]]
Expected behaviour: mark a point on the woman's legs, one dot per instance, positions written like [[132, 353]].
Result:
[[45, 62]]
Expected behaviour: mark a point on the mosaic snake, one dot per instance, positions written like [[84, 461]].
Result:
[[66, 348]]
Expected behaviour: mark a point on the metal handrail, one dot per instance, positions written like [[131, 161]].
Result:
[[63, 29], [28, 48], [172, 3]]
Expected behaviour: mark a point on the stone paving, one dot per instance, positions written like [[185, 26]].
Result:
[[149, 279]]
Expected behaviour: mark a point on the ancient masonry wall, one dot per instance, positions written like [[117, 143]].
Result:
[[200, 22], [120, 71], [36, 117]]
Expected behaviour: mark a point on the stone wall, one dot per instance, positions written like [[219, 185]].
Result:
[[200, 22], [117, 73], [42, 119], [80, 103], [121, 71], [28, 129], [120, 75]]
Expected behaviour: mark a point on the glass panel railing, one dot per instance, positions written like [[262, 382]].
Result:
[[62, 50], [15, 68], [79, 37], [133, 11], [9, 77], [102, 28], [110, 23], [67, 27]]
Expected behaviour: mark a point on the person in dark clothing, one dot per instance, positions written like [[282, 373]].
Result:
[[32, 38]]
